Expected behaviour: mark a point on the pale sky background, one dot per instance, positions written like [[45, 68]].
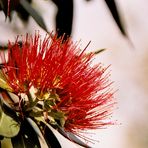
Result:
[[129, 63]]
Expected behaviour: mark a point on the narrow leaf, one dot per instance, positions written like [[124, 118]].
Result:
[[114, 11], [25, 4], [8, 6], [7, 110], [73, 138], [3, 82], [23, 14], [64, 17], [27, 137], [50, 138], [8, 126], [1, 138]]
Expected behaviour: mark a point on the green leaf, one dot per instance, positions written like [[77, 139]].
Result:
[[36, 113], [6, 143], [7, 110], [8, 126], [99, 51], [22, 13], [3, 83], [58, 116], [72, 138], [12, 5], [114, 11], [50, 138], [64, 17], [25, 4], [27, 137]]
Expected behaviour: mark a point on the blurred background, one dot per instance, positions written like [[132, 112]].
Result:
[[127, 54]]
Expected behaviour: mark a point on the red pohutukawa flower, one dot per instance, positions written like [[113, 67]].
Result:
[[68, 90]]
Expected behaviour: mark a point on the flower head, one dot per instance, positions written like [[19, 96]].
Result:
[[59, 83]]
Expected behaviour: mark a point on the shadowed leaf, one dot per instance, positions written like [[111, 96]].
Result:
[[8, 126], [27, 137], [7, 110], [23, 14], [113, 9], [3, 82], [64, 17], [73, 138], [50, 138], [25, 4], [8, 6]]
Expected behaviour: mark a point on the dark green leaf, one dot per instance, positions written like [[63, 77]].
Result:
[[4, 6], [1, 137], [73, 138], [50, 138], [8, 126], [64, 17], [27, 137], [12, 5], [23, 14], [99, 51], [113, 9], [7, 110], [3, 82], [25, 4]]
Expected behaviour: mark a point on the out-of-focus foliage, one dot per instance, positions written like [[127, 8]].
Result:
[[64, 17]]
